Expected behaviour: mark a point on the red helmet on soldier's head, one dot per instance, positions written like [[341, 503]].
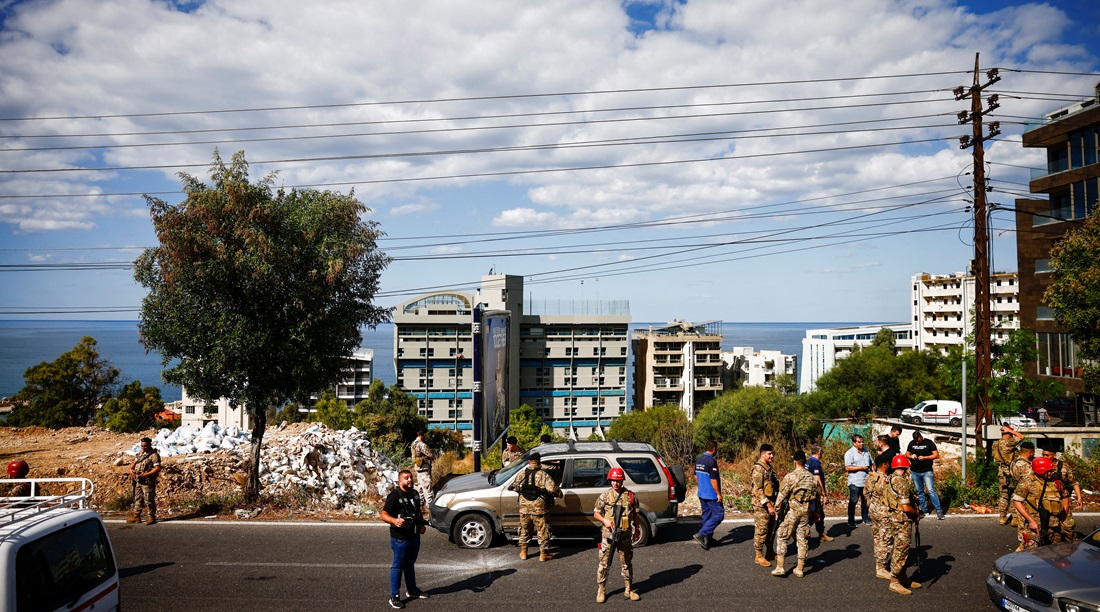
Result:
[[616, 474], [1041, 465], [18, 468], [899, 461]]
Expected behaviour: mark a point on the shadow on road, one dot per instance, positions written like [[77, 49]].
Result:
[[932, 568], [476, 584], [126, 572], [667, 578], [737, 535]]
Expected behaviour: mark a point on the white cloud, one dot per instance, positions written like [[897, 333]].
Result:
[[413, 209], [524, 217]]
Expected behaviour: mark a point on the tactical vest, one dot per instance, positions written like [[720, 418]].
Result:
[[770, 482], [528, 490], [1000, 456]]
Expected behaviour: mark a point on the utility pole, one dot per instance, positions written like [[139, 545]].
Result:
[[983, 353]]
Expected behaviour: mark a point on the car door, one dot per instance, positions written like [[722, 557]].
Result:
[[931, 413], [509, 498], [585, 481]]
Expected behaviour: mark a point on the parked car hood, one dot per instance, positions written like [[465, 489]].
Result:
[[1068, 569], [467, 482]]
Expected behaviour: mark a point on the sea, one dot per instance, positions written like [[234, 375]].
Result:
[[26, 343]]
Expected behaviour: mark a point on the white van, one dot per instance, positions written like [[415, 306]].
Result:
[[54, 553], [945, 412]]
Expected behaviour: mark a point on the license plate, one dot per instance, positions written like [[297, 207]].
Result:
[[1011, 606]]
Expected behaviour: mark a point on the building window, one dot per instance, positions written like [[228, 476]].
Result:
[[1044, 313], [1042, 266], [189, 410]]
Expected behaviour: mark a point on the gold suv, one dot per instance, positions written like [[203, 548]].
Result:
[[473, 508]]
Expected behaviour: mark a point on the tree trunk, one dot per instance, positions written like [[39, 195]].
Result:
[[259, 424]]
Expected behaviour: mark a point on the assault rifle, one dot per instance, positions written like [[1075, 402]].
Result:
[[780, 514], [916, 531], [1044, 518], [617, 528]]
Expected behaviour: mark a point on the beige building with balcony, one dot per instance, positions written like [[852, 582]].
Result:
[[943, 306], [679, 363], [747, 367]]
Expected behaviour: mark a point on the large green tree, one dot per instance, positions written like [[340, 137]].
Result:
[[389, 418], [1010, 388], [134, 408], [752, 415], [65, 392], [259, 293], [1074, 293]]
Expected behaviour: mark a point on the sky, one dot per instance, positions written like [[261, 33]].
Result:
[[737, 160]]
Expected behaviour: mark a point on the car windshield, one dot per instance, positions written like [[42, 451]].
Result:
[[506, 472], [1093, 538]]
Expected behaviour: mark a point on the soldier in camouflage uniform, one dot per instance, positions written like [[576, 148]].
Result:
[[800, 489], [876, 502], [1004, 451], [1041, 492], [616, 500], [536, 490], [422, 458], [1065, 476], [901, 504], [144, 472], [1018, 471], [512, 451], [765, 487]]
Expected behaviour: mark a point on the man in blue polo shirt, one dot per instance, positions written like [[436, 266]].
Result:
[[710, 494], [817, 512]]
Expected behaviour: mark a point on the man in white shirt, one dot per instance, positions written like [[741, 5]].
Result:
[[857, 463]]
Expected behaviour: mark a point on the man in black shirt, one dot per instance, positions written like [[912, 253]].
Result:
[[404, 513], [921, 453], [882, 445], [894, 439]]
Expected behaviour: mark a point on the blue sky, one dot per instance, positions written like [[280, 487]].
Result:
[[741, 160]]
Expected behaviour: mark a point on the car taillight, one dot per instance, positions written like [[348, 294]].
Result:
[[671, 482]]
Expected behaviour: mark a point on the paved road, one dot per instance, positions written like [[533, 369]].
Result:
[[269, 566]]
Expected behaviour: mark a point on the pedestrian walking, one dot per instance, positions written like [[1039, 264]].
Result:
[[144, 471], [901, 501], [922, 454], [799, 490], [874, 487], [817, 507], [404, 512], [1044, 416], [709, 489], [857, 465], [765, 488], [423, 458], [1004, 452], [537, 491], [617, 511]]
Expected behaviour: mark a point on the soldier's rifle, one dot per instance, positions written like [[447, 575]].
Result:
[[916, 531], [780, 514], [1044, 517], [616, 528]]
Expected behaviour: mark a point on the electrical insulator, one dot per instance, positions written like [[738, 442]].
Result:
[[964, 117], [964, 142], [960, 92]]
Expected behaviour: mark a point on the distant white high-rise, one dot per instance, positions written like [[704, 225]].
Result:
[[943, 305], [822, 348]]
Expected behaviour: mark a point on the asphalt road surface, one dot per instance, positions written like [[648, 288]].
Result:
[[239, 566]]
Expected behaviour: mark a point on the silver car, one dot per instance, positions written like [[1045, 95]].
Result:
[[1064, 577]]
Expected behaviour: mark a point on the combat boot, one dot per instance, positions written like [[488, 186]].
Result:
[[1005, 520], [760, 560], [545, 556], [882, 572], [908, 582], [798, 568], [827, 538], [897, 587], [522, 554], [601, 595], [779, 570], [152, 521], [136, 518], [630, 594]]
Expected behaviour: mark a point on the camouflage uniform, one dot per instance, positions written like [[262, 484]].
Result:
[[145, 493], [1065, 475], [509, 456], [605, 505], [532, 513], [765, 487], [422, 459], [879, 511], [1035, 493], [1017, 472], [800, 489], [1004, 451], [899, 491]]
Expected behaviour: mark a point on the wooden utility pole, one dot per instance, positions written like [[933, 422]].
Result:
[[983, 353]]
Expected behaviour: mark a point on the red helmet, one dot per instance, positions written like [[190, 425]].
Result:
[[1039, 465], [616, 474], [899, 461], [18, 468]]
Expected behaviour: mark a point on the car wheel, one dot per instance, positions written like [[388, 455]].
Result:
[[473, 531], [641, 535], [917, 421], [956, 422]]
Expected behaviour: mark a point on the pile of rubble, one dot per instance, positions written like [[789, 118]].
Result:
[[187, 440]]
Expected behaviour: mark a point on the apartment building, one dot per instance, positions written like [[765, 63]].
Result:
[[745, 367], [943, 305], [1069, 188], [822, 348], [353, 389], [679, 363], [567, 359]]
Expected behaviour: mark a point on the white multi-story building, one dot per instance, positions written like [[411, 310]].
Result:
[[746, 367], [943, 306], [567, 360], [353, 389], [822, 348], [679, 364]]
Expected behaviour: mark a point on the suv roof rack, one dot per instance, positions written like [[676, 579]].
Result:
[[22, 508]]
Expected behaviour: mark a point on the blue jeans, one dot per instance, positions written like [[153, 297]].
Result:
[[855, 493], [404, 557], [713, 513], [922, 481]]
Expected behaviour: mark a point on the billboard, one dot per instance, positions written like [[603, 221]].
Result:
[[494, 376]]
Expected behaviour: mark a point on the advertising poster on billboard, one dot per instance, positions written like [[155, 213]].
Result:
[[494, 376]]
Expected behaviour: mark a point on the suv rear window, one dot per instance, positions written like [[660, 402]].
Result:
[[641, 470], [60, 567]]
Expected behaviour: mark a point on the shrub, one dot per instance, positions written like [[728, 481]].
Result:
[[664, 427], [744, 418]]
